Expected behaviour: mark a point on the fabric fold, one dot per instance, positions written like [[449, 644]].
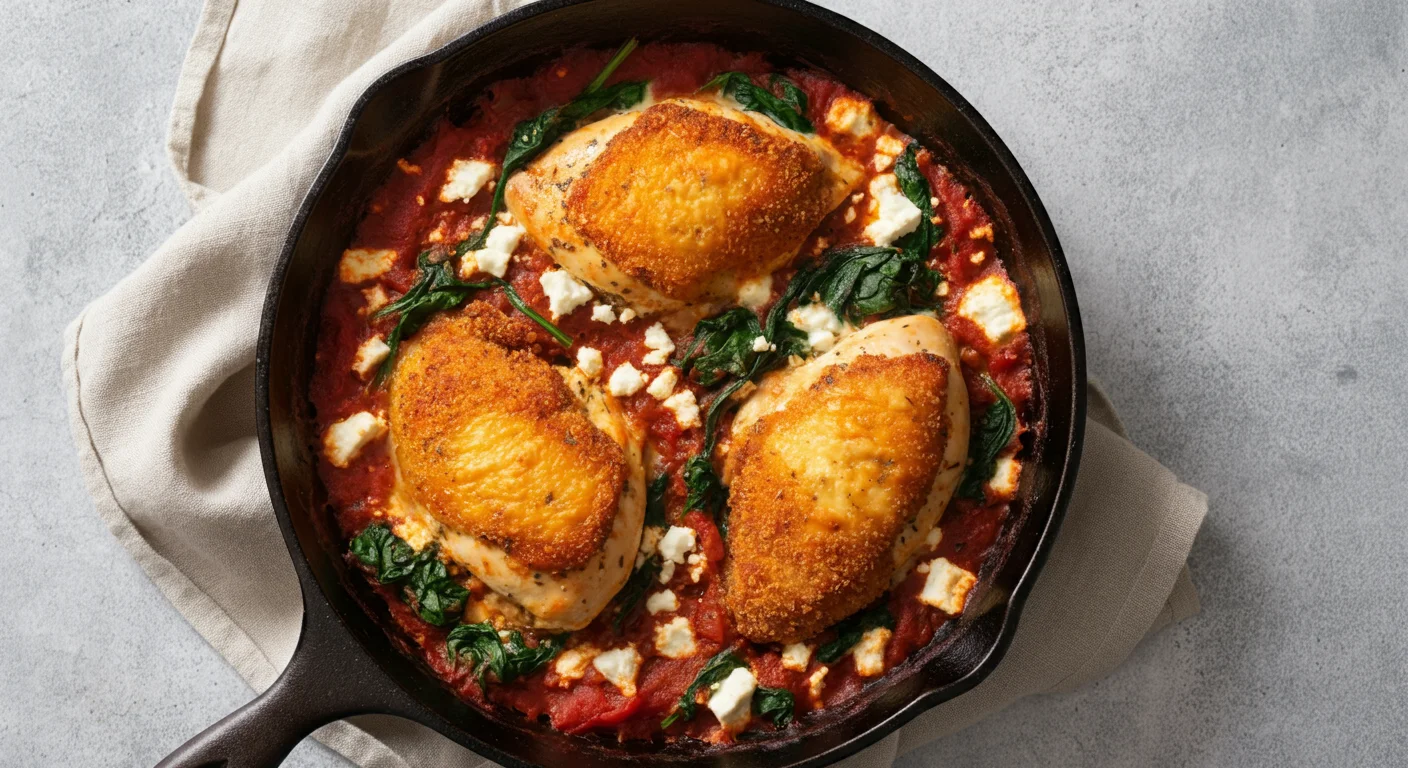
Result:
[[159, 377]]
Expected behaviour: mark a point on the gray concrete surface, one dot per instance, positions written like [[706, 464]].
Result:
[[1230, 181]]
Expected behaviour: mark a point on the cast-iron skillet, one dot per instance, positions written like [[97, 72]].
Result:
[[346, 663]]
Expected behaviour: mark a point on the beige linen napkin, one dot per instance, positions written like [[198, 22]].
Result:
[[160, 372]]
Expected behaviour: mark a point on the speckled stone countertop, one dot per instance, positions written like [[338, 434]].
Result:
[[1230, 183]]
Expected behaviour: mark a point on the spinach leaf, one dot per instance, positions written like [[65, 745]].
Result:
[[916, 187], [655, 501], [849, 631], [706, 491], [437, 289], [438, 598], [508, 660], [722, 346], [776, 704], [383, 551], [993, 434], [859, 281], [789, 111], [634, 590], [714, 671], [531, 137]]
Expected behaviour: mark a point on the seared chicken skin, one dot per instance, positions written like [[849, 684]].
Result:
[[681, 202], [529, 475], [840, 468]]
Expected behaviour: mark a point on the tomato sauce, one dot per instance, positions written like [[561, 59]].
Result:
[[406, 215]]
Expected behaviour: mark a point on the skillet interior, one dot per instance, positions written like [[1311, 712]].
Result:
[[392, 117]]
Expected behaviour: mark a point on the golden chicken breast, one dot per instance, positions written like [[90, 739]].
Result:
[[840, 468], [527, 475], [680, 202]]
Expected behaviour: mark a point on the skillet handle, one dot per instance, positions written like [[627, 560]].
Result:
[[327, 679]]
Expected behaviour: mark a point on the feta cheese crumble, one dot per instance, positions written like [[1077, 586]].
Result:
[[498, 249], [896, 216], [993, 305], [756, 292], [676, 543], [869, 653], [816, 683], [664, 384], [371, 354], [627, 315], [796, 656], [572, 663], [662, 601], [675, 639], [625, 381], [946, 586], [589, 361], [761, 344], [658, 340], [564, 292], [619, 666], [359, 265], [732, 701], [686, 408], [464, 180], [1005, 476], [821, 325], [345, 439], [853, 116], [603, 313]]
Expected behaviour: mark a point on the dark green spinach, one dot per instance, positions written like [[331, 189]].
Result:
[[655, 501], [390, 558], [438, 598], [788, 111], [776, 704], [993, 434], [508, 659]]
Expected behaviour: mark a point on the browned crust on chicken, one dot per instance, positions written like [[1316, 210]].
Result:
[[822, 489], [683, 195], [494, 444]]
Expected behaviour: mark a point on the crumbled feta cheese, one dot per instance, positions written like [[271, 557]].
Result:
[[371, 354], [816, 682], [992, 303], [887, 148], [572, 663], [619, 666], [564, 292], [627, 315], [675, 639], [676, 543], [464, 180], [346, 439], [981, 233], [732, 702], [664, 384], [625, 381], [667, 571], [946, 587], [850, 115], [359, 265], [649, 539], [869, 653], [603, 313], [697, 564], [493, 258], [796, 656], [1005, 476], [756, 292], [686, 408], [761, 344], [662, 601], [589, 361], [934, 536], [896, 216], [821, 325], [376, 297], [657, 339], [417, 530]]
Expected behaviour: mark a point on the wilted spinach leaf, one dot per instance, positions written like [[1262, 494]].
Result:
[[993, 434]]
